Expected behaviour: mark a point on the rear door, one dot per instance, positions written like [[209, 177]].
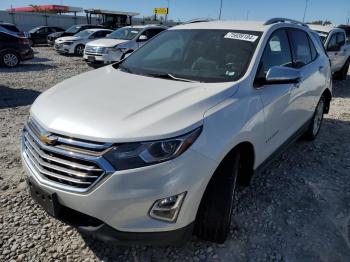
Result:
[[305, 95], [276, 97]]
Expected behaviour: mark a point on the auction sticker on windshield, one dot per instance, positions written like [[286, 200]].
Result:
[[240, 36]]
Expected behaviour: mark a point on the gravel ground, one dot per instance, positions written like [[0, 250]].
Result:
[[297, 210]]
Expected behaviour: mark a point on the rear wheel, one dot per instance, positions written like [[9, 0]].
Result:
[[317, 120], [215, 211], [79, 50], [9, 59]]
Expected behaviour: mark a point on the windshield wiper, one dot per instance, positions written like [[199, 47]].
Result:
[[170, 76]]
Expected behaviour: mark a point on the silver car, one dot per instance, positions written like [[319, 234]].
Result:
[[119, 43]]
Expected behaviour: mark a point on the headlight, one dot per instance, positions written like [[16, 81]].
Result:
[[134, 155]]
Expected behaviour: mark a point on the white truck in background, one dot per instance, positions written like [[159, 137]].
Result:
[[338, 50]]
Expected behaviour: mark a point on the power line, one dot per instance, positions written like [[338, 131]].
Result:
[[306, 3]]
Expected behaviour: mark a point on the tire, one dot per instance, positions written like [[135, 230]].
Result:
[[317, 120], [214, 214], [9, 59], [342, 73], [79, 50]]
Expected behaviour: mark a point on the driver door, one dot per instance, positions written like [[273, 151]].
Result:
[[275, 97]]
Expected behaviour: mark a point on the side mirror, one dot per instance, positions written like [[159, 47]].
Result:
[[282, 75], [143, 38], [333, 48]]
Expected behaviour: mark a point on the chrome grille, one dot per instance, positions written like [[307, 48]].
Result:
[[70, 164]]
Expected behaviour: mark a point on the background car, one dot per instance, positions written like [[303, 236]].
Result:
[[70, 31], [10, 29], [76, 44], [14, 49], [38, 35], [120, 43]]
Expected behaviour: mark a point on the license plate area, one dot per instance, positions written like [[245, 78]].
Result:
[[46, 200], [91, 58]]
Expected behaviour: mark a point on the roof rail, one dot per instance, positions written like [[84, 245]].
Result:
[[198, 20], [284, 20]]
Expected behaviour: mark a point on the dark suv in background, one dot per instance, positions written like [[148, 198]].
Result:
[[38, 35], [70, 31], [14, 49]]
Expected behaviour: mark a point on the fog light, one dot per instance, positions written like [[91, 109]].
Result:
[[167, 209]]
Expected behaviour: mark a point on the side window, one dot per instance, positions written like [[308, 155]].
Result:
[[276, 53], [300, 48], [332, 44], [98, 34], [313, 50], [153, 32], [340, 39], [43, 30], [104, 33]]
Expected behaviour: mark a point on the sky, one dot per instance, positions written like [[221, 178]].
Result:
[[260, 10]]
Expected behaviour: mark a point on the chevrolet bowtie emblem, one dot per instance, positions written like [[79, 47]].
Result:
[[48, 139]]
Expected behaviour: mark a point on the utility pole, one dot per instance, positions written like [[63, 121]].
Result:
[[220, 9], [306, 3]]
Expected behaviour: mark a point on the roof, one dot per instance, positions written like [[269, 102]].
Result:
[[109, 12], [147, 26], [323, 28], [226, 25], [98, 29]]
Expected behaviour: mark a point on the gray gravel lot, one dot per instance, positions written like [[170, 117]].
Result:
[[297, 210]]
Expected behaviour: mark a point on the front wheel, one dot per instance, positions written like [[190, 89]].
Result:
[[79, 50], [214, 214], [317, 120], [9, 59]]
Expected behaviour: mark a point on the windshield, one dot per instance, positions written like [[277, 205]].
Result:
[[33, 30], [323, 36], [73, 29], [195, 55], [84, 33], [124, 33]]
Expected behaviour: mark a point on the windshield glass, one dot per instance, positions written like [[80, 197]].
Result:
[[33, 30], [73, 29], [124, 33], [323, 36], [84, 33], [196, 55]]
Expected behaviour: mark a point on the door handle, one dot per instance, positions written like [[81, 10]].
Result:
[[321, 68]]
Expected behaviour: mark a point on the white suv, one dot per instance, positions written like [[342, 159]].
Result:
[[149, 150]]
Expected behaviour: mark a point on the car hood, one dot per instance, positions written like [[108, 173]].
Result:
[[67, 38], [108, 105], [107, 42]]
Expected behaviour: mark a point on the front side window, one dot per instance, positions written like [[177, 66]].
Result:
[[276, 53], [300, 48], [340, 39], [204, 55], [124, 33]]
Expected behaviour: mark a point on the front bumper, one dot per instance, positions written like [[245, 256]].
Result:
[[64, 49], [122, 200]]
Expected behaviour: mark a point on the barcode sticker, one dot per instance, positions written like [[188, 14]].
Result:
[[243, 37]]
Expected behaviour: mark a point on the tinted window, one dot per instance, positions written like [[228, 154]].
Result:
[[300, 48], [332, 42], [43, 30], [276, 53], [312, 49], [340, 39], [200, 55], [100, 34]]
